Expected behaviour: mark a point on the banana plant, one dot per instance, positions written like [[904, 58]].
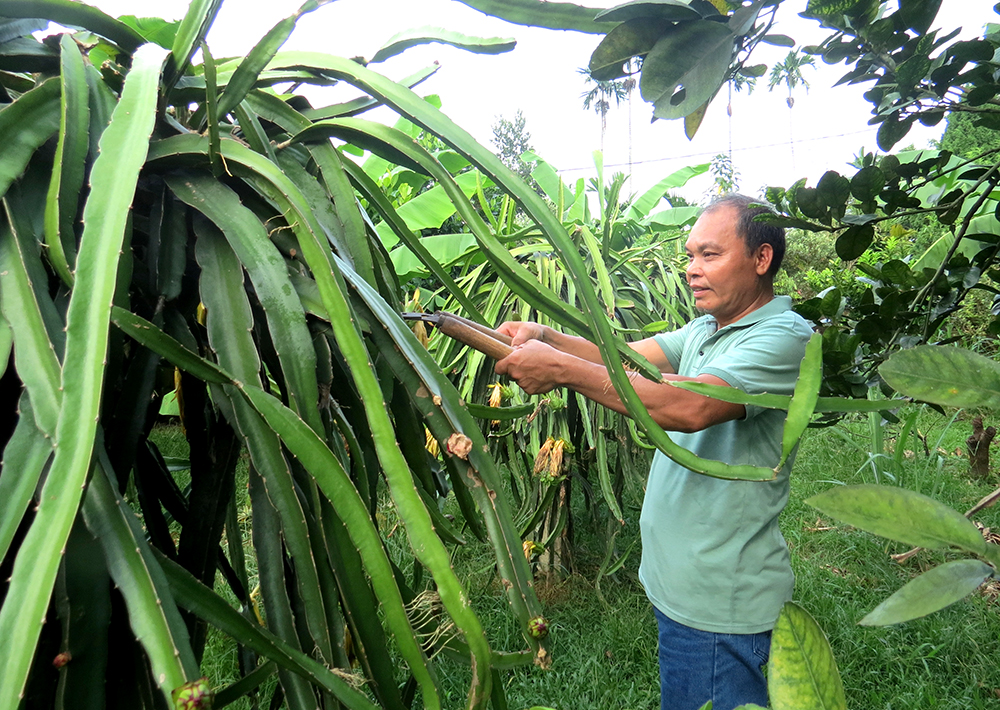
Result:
[[170, 223]]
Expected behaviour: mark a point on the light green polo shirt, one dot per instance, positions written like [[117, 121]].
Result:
[[712, 555]]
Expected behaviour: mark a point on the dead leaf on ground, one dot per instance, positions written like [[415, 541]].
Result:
[[819, 526]]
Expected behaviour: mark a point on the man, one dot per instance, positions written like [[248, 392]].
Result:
[[714, 564]]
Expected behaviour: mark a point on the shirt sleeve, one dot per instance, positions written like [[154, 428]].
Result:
[[766, 358], [672, 344]]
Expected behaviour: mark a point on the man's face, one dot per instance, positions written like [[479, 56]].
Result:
[[725, 280]]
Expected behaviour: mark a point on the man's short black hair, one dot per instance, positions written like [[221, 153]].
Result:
[[753, 233]]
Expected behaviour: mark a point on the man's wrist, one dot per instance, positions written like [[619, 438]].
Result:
[[553, 337]]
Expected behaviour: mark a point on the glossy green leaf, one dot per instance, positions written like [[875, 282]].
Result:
[[901, 515], [426, 35], [13, 29], [933, 590], [634, 38], [803, 403], [802, 672], [892, 130], [854, 240], [686, 67], [833, 189], [867, 183], [949, 376], [547, 177], [416, 248], [536, 13], [919, 14], [444, 249], [668, 10], [113, 178], [778, 40]]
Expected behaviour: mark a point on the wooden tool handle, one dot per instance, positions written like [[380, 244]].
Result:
[[505, 339], [473, 334]]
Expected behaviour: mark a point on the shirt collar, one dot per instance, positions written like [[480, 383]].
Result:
[[778, 304]]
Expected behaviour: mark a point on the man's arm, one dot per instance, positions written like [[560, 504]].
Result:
[[539, 367], [521, 332]]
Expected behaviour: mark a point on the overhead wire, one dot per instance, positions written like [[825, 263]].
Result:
[[762, 146]]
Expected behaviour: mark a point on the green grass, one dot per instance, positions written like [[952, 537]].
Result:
[[604, 652], [941, 661]]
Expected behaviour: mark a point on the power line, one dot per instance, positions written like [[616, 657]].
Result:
[[713, 153]]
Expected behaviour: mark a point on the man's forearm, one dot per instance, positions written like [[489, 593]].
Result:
[[671, 408], [572, 345]]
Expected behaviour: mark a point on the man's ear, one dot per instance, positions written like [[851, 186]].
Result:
[[763, 258]]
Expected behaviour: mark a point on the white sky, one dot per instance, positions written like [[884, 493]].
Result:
[[539, 77]]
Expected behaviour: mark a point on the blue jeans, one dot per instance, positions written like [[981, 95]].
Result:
[[698, 666]]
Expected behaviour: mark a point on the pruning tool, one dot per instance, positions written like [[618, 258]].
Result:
[[477, 336]]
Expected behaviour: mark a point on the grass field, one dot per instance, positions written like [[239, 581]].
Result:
[[604, 649]]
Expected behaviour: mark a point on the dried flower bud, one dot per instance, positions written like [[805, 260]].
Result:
[[556, 459], [542, 459], [431, 444], [459, 445]]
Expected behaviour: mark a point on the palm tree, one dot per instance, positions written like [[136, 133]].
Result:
[[789, 73], [600, 94]]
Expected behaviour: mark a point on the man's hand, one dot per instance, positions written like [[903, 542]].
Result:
[[535, 366], [521, 332]]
